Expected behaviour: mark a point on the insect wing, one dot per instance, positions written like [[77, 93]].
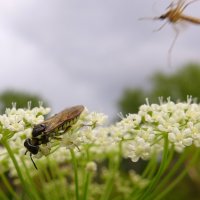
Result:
[[177, 5], [64, 116]]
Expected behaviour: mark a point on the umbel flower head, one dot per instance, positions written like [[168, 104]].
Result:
[[136, 136], [143, 133]]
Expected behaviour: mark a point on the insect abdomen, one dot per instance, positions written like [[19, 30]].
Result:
[[65, 126]]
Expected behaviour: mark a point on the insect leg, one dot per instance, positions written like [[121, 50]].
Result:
[[156, 30], [172, 45], [188, 5]]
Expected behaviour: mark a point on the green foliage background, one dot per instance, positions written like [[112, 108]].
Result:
[[185, 81], [20, 98]]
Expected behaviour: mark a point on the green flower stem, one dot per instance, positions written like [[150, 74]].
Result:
[[3, 196], [24, 184], [113, 167], [47, 176], [170, 157], [74, 161], [171, 173], [161, 169], [53, 173], [8, 186], [11, 154], [86, 185], [149, 166], [59, 175], [31, 183], [45, 194], [87, 177], [179, 177], [152, 168], [148, 173]]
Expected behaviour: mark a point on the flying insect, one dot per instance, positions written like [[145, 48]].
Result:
[[52, 128], [174, 15]]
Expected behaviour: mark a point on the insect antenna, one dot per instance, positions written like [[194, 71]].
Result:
[[33, 161], [26, 152]]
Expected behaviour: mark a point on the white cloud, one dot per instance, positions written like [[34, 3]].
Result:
[[84, 51]]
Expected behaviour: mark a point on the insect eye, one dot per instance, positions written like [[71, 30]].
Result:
[[38, 129], [33, 149]]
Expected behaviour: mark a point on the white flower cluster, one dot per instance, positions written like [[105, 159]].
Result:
[[17, 120], [144, 133], [136, 136], [15, 126]]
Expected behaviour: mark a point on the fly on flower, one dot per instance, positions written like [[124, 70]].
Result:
[[175, 15], [52, 128]]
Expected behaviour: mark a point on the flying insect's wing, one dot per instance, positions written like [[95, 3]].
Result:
[[177, 4], [66, 115], [180, 5]]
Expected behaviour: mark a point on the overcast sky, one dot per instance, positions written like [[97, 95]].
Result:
[[85, 51]]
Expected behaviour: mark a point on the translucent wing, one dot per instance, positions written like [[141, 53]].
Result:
[[62, 117]]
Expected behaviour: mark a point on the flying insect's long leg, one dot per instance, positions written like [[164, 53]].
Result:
[[172, 45], [160, 28], [188, 5]]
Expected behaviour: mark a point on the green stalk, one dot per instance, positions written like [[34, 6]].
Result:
[[148, 173], [45, 193], [86, 185], [171, 173], [74, 161], [179, 177], [60, 178], [46, 175], [57, 189], [87, 177], [24, 184], [108, 185], [3, 196], [11, 154], [30, 180], [160, 171], [113, 167], [150, 166], [9, 187]]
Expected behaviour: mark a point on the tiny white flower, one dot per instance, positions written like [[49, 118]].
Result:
[[91, 166], [138, 149], [97, 119]]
